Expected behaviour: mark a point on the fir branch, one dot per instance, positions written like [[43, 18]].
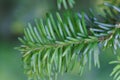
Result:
[[54, 47], [55, 44], [60, 43]]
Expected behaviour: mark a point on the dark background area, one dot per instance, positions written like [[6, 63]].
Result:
[[14, 16]]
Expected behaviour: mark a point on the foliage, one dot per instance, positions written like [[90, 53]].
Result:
[[61, 42], [57, 47]]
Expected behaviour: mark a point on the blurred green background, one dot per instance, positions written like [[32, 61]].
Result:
[[14, 16]]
